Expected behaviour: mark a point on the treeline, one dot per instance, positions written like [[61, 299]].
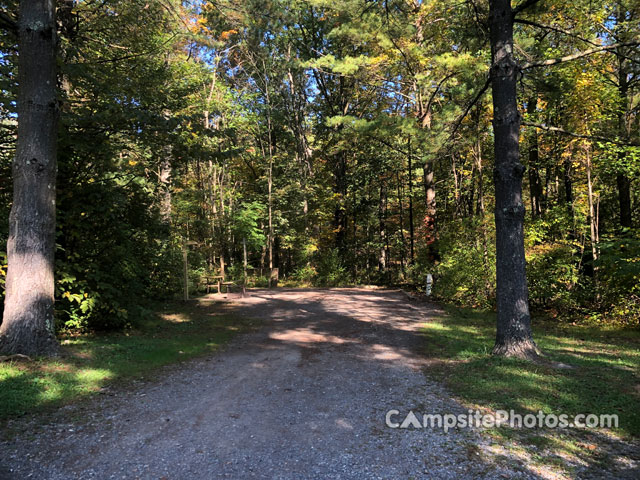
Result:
[[339, 141]]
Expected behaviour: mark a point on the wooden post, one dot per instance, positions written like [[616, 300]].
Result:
[[222, 266], [273, 277]]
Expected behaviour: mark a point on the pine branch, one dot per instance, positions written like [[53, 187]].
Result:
[[8, 23], [562, 131], [553, 29], [523, 6], [577, 55], [469, 107]]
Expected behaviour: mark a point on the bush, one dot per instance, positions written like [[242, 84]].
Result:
[[552, 274], [465, 275], [113, 255], [330, 270], [304, 274]]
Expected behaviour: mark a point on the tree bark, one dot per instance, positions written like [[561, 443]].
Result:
[[382, 258], [593, 219], [624, 193], [164, 184], [430, 211], [535, 184], [411, 225], [568, 190], [480, 208], [622, 180], [400, 194], [340, 220], [269, 183], [513, 336], [28, 322]]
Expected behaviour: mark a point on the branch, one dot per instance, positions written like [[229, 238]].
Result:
[[584, 53], [470, 106], [523, 6], [8, 23], [579, 135], [553, 29], [395, 149], [435, 92], [130, 56]]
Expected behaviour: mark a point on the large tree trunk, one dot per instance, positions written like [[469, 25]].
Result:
[[622, 180], [28, 323], [514, 337]]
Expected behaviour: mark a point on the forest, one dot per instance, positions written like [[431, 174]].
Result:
[[342, 239], [325, 143]]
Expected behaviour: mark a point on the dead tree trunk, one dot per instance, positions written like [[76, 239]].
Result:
[[514, 337], [28, 323]]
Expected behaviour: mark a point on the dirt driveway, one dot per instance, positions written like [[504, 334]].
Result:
[[304, 397]]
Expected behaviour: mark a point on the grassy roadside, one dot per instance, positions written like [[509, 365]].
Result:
[[605, 380], [177, 332]]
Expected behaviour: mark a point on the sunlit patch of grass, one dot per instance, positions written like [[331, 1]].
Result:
[[89, 363], [606, 370], [175, 317]]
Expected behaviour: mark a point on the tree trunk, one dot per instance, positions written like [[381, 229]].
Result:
[[400, 193], [28, 322], [593, 220], [411, 227], [430, 212], [535, 184], [382, 258], [164, 180], [622, 180], [269, 183], [480, 210], [270, 209], [514, 337], [339, 215], [568, 191], [244, 266], [624, 193]]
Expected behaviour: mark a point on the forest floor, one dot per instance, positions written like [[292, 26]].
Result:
[[303, 396]]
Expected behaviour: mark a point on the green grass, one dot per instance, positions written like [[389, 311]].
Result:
[[88, 363], [605, 378]]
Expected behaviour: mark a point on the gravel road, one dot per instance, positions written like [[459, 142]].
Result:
[[304, 397]]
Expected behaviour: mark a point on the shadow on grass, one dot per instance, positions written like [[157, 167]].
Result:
[[178, 332], [604, 381]]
